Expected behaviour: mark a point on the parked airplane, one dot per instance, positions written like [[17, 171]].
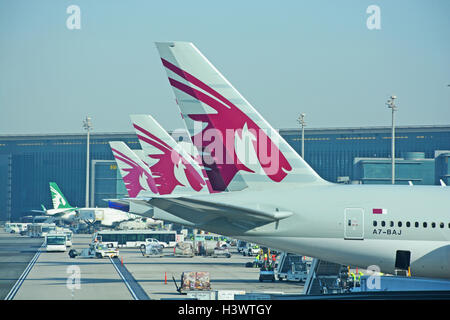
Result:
[[107, 217], [286, 204], [139, 182], [61, 207], [175, 168]]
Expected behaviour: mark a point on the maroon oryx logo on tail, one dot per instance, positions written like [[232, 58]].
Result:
[[228, 118], [136, 179], [171, 169]]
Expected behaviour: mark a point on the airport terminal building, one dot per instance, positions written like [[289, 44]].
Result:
[[346, 155]]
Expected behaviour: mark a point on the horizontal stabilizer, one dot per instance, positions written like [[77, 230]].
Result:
[[140, 206], [205, 212], [39, 211]]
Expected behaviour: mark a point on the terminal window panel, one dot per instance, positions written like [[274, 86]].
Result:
[[108, 183]]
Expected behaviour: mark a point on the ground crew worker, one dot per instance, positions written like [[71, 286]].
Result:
[[359, 277], [274, 259], [257, 261], [353, 278]]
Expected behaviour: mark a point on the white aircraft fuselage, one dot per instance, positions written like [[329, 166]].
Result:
[[106, 216], [67, 215], [337, 223]]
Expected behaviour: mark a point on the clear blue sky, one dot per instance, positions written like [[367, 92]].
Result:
[[285, 57]]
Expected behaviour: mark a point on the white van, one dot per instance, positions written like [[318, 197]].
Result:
[[15, 227], [69, 235], [155, 242], [251, 249], [55, 242], [241, 245]]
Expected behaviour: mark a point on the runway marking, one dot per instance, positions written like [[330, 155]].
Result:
[[12, 293], [137, 293]]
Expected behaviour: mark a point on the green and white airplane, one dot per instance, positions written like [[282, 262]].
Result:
[[107, 217], [61, 207], [276, 199]]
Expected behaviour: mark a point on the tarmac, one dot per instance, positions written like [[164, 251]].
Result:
[[56, 276], [15, 254]]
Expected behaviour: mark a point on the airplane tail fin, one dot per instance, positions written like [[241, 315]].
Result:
[[233, 138], [173, 169], [135, 173], [58, 199]]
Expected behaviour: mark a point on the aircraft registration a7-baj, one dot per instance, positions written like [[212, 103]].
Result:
[[276, 199]]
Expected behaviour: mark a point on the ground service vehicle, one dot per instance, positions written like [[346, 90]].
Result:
[[155, 242], [218, 239], [266, 274], [38, 230], [184, 249], [151, 248], [292, 267], [222, 252], [135, 238], [194, 281], [241, 245], [251, 250], [101, 250], [55, 242], [15, 227], [96, 250], [69, 235]]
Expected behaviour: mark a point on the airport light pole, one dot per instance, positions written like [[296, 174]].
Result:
[[301, 120], [390, 104], [87, 125]]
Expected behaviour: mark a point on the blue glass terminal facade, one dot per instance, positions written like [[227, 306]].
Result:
[[29, 162]]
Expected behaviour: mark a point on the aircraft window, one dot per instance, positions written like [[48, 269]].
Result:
[[391, 223], [433, 225], [374, 223], [408, 224], [416, 224], [424, 224], [383, 223], [441, 225], [399, 224]]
